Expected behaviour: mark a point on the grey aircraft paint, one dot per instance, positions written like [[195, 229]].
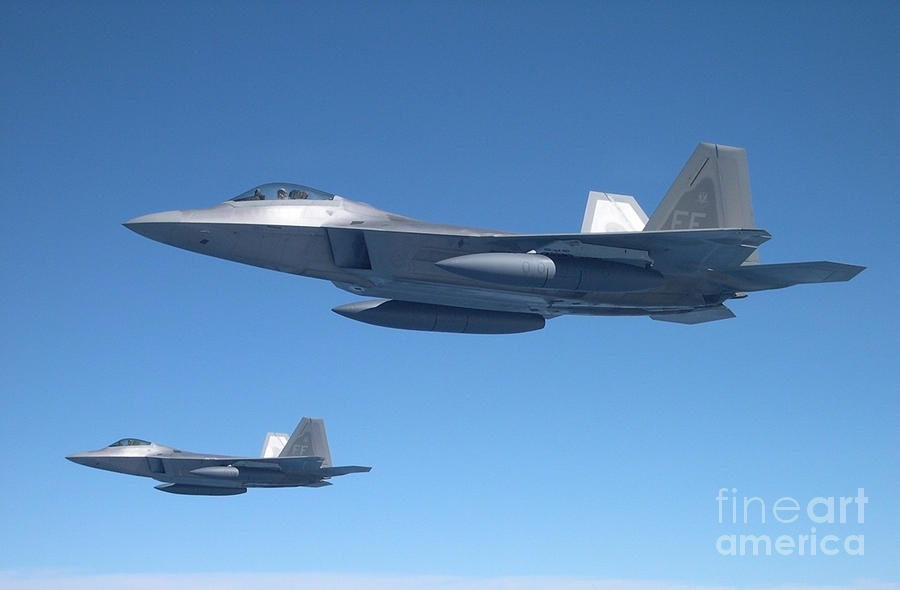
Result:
[[698, 250], [303, 459]]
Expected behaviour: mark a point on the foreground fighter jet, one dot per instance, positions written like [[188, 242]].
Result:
[[695, 252], [301, 460]]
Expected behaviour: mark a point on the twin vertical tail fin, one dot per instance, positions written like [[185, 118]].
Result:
[[609, 212], [274, 444], [712, 191], [308, 440]]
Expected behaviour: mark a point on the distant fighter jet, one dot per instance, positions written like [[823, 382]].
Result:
[[697, 251], [301, 460]]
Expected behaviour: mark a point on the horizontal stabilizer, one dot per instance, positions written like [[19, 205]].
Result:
[[178, 488], [696, 316], [759, 277], [344, 470]]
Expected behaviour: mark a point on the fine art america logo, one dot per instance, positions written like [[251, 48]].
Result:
[[824, 525]]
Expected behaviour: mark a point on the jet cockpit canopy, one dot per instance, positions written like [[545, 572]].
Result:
[[283, 191], [129, 442]]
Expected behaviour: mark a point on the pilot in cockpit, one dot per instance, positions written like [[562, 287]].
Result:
[[258, 196], [282, 194]]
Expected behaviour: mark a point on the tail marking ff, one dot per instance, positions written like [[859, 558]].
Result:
[[712, 191], [308, 440]]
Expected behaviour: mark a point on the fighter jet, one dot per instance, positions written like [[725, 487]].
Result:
[[301, 460], [697, 250]]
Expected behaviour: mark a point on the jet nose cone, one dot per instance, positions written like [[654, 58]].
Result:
[[156, 226], [161, 217], [80, 458]]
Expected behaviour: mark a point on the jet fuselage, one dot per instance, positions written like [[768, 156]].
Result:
[[696, 251], [396, 257], [303, 459]]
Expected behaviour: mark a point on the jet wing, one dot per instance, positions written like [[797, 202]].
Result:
[[669, 250], [298, 465], [676, 251], [281, 464]]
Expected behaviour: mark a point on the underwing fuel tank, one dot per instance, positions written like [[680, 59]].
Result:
[[427, 317], [189, 490], [559, 272]]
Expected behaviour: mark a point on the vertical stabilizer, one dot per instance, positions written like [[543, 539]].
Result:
[[712, 191], [274, 444], [608, 212], [309, 440]]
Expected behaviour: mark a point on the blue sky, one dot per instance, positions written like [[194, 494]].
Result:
[[590, 451]]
